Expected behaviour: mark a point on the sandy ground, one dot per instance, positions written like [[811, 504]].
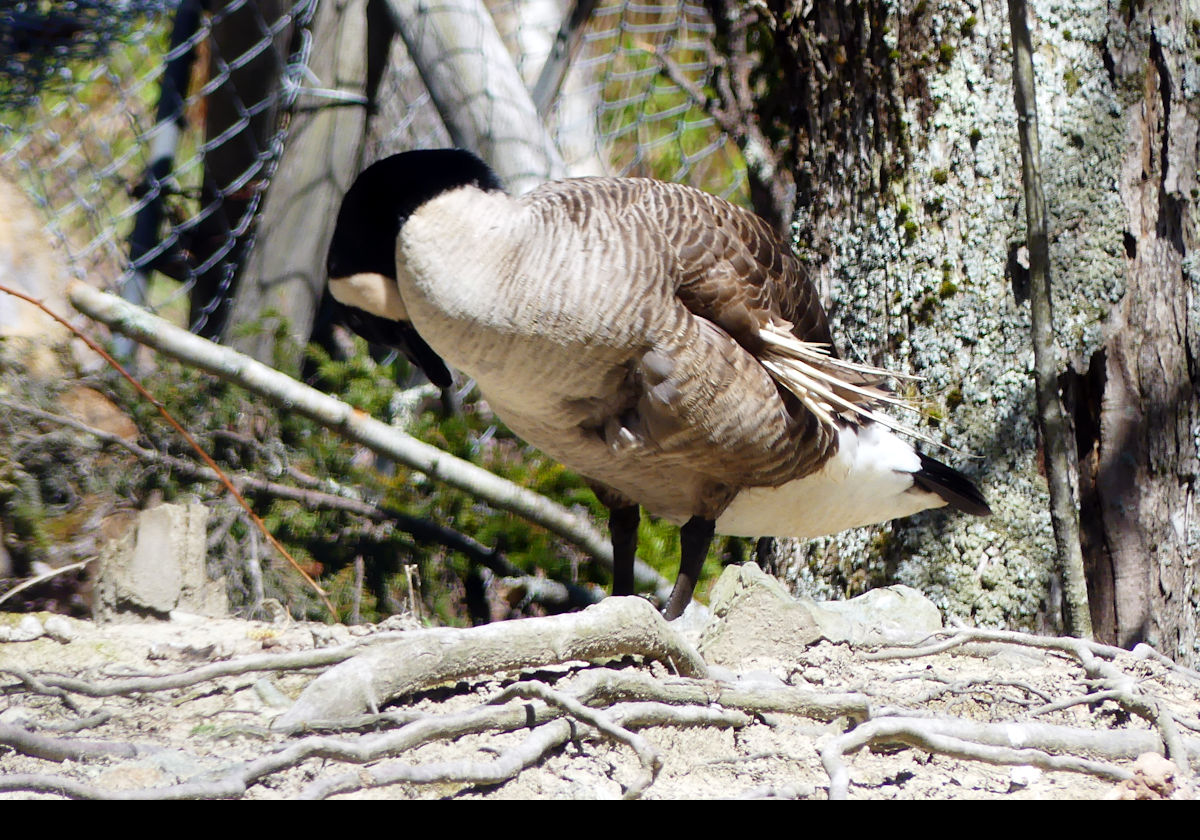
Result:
[[199, 732]]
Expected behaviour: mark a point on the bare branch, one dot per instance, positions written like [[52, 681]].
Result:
[[1064, 511], [44, 576], [352, 424], [175, 424], [311, 498]]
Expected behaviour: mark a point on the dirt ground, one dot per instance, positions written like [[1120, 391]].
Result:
[[749, 740]]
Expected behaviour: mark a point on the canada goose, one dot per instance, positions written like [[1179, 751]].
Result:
[[660, 341]]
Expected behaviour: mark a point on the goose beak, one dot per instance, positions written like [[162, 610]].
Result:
[[370, 305], [372, 293]]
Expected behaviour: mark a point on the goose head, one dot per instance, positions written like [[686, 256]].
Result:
[[362, 254]]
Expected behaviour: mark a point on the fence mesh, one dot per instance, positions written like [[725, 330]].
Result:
[[156, 194]]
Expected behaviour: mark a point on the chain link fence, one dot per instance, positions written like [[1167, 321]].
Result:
[[147, 131]]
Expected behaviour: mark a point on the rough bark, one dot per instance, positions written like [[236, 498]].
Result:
[[1142, 476], [897, 122], [286, 270]]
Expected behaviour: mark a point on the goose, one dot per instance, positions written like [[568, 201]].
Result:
[[658, 340]]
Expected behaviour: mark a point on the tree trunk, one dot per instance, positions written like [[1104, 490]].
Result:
[[249, 45], [1052, 424], [479, 94], [319, 162], [898, 125], [1142, 477]]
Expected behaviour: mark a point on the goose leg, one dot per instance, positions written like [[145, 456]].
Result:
[[623, 526], [694, 539]]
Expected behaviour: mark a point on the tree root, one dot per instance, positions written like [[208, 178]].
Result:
[[609, 630], [616, 717], [541, 740], [982, 742]]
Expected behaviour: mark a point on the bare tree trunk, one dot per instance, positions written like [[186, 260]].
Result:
[[477, 89], [1143, 546], [286, 271], [895, 120], [250, 42]]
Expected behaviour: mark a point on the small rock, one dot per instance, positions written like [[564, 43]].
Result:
[[158, 568], [330, 635], [26, 630], [1154, 777], [755, 617], [1023, 777], [814, 676], [60, 629], [16, 716]]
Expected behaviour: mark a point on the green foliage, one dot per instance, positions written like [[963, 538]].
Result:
[[23, 511], [948, 287], [656, 129]]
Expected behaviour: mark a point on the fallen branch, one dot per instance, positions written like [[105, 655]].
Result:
[[44, 576], [310, 497], [352, 424], [183, 432]]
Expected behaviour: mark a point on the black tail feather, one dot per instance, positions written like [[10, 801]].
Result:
[[951, 485]]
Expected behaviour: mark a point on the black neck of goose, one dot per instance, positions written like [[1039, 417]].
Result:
[[386, 194]]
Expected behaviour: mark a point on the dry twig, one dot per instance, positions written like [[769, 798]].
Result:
[[187, 436]]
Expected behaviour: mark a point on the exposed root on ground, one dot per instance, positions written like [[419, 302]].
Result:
[[606, 687]]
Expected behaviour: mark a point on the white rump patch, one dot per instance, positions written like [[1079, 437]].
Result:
[[869, 480]]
